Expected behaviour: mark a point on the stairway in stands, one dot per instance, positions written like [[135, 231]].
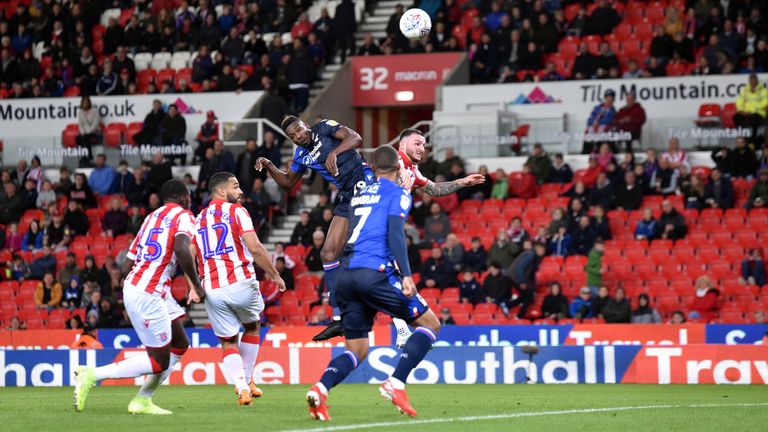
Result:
[[374, 23]]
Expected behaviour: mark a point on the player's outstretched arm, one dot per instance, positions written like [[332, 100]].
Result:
[[350, 140], [187, 263], [283, 179], [447, 188], [261, 258]]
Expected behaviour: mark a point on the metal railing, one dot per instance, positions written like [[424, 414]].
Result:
[[243, 130]]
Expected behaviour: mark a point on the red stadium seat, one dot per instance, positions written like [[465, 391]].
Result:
[[164, 75], [113, 134], [633, 15], [183, 74], [644, 31], [69, 135], [655, 14], [568, 47], [709, 114], [726, 116]]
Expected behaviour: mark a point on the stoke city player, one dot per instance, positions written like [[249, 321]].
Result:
[[162, 241], [375, 276], [227, 248], [411, 149], [329, 149]]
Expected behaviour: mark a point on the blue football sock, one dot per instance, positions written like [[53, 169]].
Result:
[[331, 271], [413, 352], [338, 369]]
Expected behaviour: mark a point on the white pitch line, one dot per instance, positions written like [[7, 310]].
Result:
[[519, 415]]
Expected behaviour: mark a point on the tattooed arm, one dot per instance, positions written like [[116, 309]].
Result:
[[447, 188]]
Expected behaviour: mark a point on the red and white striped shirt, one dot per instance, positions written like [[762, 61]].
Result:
[[152, 248], [410, 177], [222, 256]]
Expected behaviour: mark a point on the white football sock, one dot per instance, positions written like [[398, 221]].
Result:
[[154, 381], [233, 364], [249, 350], [135, 366]]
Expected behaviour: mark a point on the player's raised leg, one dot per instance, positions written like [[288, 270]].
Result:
[[151, 321], [418, 345], [332, 248], [142, 402]]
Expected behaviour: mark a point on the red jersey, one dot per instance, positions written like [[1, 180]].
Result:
[[222, 256], [152, 248], [410, 177]]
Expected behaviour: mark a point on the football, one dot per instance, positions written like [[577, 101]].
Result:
[[415, 24]]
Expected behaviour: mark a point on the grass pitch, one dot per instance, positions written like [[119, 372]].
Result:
[[571, 408]]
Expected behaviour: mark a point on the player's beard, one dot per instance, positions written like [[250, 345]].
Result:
[[235, 199]]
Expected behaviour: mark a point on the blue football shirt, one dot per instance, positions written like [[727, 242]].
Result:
[[367, 245]]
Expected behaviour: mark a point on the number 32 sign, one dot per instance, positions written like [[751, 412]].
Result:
[[400, 80]]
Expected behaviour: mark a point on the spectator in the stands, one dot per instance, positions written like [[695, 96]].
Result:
[[108, 80], [69, 269], [345, 26], [414, 257], [581, 306], [115, 220], [647, 227], [43, 264], [102, 177], [437, 271], [600, 223], [500, 188], [451, 158], [674, 155], [539, 163], [575, 211], [758, 195], [14, 240], [475, 258], [48, 293], [280, 253], [150, 129], [705, 304], [76, 220], [73, 293], [159, 172], [245, 170], [645, 314], [524, 184], [600, 301], [578, 192], [33, 238], [602, 194], [19, 268], [502, 251], [485, 60], [453, 251], [603, 19], [209, 132], [302, 232], [89, 127], [257, 202], [753, 269], [123, 178], [153, 202], [137, 191], [560, 243], [437, 226], [173, 129], [285, 273], [671, 223], [664, 179], [446, 318], [719, 191], [585, 63], [744, 160], [135, 219], [222, 158], [270, 148], [497, 288], [57, 235], [606, 60], [594, 267], [516, 233], [601, 118], [469, 288], [29, 195], [751, 105], [522, 272], [629, 196], [555, 306], [313, 261], [617, 310], [589, 175], [630, 118], [583, 236], [561, 171], [678, 317], [81, 192], [694, 192]]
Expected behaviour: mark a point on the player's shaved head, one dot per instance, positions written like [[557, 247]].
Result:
[[287, 122], [224, 185], [175, 191], [385, 160]]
